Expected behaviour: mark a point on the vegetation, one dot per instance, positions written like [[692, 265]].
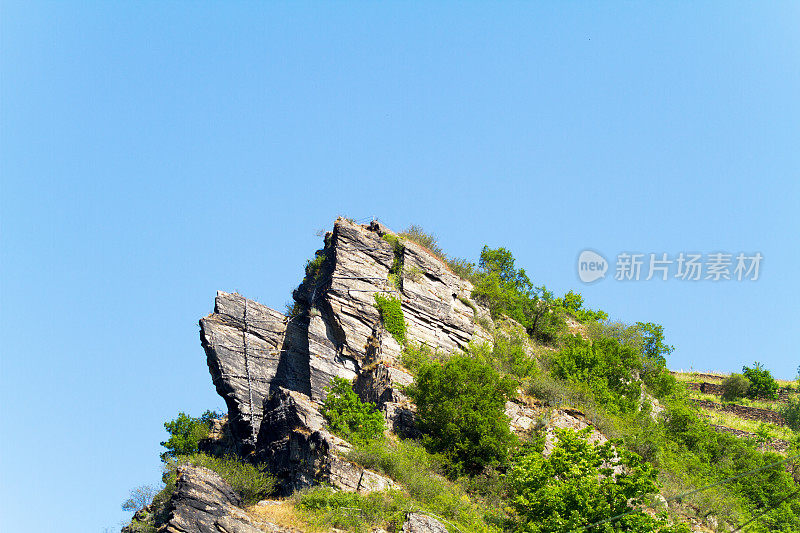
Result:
[[734, 387], [575, 485], [396, 270], [461, 411], [186, 432], [572, 302], [390, 309], [791, 413], [139, 498], [508, 291], [348, 416], [762, 384], [251, 482]]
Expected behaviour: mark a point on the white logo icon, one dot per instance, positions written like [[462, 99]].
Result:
[[591, 266]]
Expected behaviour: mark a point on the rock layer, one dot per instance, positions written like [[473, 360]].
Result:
[[253, 350]]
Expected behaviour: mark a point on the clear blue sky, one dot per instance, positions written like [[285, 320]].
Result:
[[154, 152]]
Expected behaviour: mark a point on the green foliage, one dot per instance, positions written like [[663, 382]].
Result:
[[251, 482], [461, 411], [734, 387], [327, 507], [791, 413], [572, 302], [314, 267], [575, 486], [508, 291], [186, 432], [391, 311], [655, 349], [348, 416], [396, 270], [762, 384], [419, 473], [605, 366], [506, 355]]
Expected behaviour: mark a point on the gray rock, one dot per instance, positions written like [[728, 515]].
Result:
[[420, 523], [204, 503], [253, 350], [301, 453]]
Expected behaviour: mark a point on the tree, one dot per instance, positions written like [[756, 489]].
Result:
[[348, 416], [655, 349], [461, 411], [140, 498], [762, 384], [186, 432], [734, 387], [575, 485]]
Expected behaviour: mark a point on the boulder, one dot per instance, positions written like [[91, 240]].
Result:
[[421, 523], [204, 503]]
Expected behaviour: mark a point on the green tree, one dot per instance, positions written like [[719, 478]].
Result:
[[655, 348], [348, 416], [186, 432], [762, 384], [575, 485], [461, 411], [734, 387]]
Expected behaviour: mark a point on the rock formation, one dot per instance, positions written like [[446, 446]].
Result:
[[253, 350]]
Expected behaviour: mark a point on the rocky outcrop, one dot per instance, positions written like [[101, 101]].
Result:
[[204, 503], [420, 523], [751, 413], [300, 452], [253, 350]]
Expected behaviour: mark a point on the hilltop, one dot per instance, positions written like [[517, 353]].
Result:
[[405, 390]]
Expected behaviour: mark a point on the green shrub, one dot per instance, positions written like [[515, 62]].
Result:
[[507, 355], [186, 432], [328, 508], [396, 270], [391, 312], [461, 411], [348, 416], [791, 413], [419, 473], [605, 366], [734, 387], [251, 482], [314, 268], [762, 384], [575, 486], [572, 302], [508, 291]]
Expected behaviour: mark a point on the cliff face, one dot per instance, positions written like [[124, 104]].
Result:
[[253, 351]]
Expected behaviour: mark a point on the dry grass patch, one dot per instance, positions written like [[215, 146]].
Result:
[[282, 513]]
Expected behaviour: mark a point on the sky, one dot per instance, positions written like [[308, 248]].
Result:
[[152, 153]]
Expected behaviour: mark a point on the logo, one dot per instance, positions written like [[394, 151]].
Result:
[[591, 266]]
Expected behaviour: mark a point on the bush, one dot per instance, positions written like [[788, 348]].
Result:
[[605, 366], [762, 384], [419, 472], [734, 387], [572, 302], [348, 416], [461, 411], [507, 355], [791, 413], [356, 512], [251, 482], [186, 432], [391, 310], [575, 486], [508, 291]]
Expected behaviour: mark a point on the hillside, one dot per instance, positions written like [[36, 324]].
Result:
[[404, 390]]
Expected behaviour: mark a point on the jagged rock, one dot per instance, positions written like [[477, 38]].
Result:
[[420, 523], [301, 453], [220, 441], [521, 418], [204, 503], [252, 350]]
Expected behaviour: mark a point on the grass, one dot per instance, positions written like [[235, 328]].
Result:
[[721, 418], [711, 376], [772, 405]]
